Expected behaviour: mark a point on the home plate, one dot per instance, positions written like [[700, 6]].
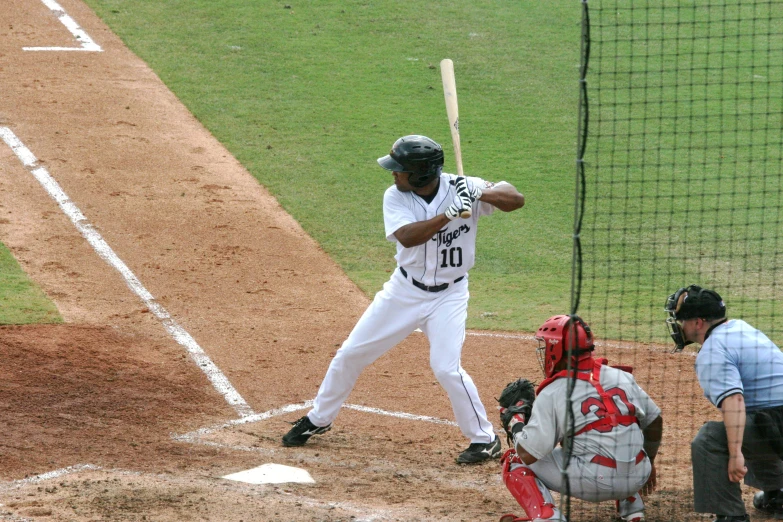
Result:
[[271, 474]]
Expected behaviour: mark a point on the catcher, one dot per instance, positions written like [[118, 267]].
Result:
[[615, 436]]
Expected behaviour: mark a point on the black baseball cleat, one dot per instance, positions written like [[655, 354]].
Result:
[[303, 429], [769, 502], [731, 518], [478, 452]]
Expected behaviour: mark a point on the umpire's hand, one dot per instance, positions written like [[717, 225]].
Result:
[[737, 467]]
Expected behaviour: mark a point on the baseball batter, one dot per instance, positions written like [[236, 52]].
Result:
[[616, 432], [429, 289]]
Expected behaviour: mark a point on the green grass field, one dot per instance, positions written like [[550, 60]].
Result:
[[684, 180], [21, 300], [308, 97]]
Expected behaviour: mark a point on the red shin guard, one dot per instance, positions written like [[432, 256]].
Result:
[[521, 483]]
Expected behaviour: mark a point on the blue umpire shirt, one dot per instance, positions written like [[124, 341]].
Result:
[[737, 358]]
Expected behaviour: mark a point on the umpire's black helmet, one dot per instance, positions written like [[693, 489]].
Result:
[[418, 155], [692, 302], [695, 301]]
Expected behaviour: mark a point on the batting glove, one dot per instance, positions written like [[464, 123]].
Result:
[[463, 192], [453, 211], [456, 209]]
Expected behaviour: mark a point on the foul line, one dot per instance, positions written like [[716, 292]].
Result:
[[87, 43], [213, 373]]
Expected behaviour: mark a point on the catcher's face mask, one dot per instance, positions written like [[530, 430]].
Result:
[[541, 353], [673, 305]]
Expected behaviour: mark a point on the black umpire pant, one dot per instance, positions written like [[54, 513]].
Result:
[[712, 490]]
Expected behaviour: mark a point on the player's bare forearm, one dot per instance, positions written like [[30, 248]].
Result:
[[652, 437], [733, 409], [415, 234], [503, 196]]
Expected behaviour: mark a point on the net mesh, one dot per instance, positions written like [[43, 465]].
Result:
[[679, 182]]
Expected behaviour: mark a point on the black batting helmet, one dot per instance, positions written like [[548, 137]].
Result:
[[418, 155]]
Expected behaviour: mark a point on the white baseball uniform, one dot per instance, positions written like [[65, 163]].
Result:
[[607, 461], [429, 290]]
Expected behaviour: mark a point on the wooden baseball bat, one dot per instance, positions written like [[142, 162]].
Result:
[[452, 109]]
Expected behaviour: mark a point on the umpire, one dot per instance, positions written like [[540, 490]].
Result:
[[741, 372]]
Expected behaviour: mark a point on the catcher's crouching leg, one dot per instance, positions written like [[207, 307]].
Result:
[[527, 489], [630, 509]]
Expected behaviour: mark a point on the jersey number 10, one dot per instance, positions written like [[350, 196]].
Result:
[[451, 257]]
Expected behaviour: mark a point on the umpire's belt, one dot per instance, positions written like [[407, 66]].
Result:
[[611, 463], [419, 284]]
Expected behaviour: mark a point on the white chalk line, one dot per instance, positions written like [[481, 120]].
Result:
[[219, 381], [86, 43], [194, 436], [256, 417], [48, 476], [399, 414]]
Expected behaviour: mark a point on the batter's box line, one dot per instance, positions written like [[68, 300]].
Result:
[[49, 475], [70, 470], [194, 436], [86, 43]]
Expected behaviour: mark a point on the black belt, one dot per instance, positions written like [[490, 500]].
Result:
[[437, 288]]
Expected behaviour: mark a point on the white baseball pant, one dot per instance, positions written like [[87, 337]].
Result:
[[397, 310]]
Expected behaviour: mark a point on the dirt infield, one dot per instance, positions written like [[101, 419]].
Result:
[[101, 415]]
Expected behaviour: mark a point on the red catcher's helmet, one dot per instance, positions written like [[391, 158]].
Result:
[[554, 337]]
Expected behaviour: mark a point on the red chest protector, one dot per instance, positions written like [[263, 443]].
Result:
[[612, 416]]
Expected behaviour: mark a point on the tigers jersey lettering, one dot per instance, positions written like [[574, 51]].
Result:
[[452, 250]]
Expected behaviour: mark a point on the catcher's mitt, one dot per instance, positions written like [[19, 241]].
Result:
[[515, 405]]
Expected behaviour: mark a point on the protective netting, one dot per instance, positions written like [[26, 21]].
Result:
[[679, 182]]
